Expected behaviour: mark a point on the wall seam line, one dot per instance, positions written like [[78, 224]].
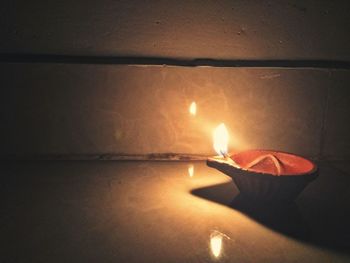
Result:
[[176, 62]]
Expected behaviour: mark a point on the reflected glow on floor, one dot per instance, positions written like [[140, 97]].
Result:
[[154, 208], [216, 243]]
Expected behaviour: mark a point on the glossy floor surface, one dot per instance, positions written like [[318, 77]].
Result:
[[156, 212]]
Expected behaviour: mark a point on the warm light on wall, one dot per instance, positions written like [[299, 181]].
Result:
[[193, 109]]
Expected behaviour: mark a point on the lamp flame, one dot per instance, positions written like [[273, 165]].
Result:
[[193, 109], [220, 137], [191, 170], [216, 244]]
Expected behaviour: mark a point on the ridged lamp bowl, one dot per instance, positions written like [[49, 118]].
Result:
[[267, 175]]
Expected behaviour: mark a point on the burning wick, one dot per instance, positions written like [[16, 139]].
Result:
[[193, 109], [221, 139]]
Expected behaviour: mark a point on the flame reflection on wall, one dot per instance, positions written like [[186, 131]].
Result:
[[191, 170], [193, 109]]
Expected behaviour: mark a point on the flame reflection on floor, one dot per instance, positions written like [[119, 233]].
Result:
[[216, 243]]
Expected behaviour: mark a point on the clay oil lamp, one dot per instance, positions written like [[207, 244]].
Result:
[[263, 175]]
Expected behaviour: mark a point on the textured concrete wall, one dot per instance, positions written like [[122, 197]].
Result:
[[290, 29], [337, 119], [99, 109], [82, 109]]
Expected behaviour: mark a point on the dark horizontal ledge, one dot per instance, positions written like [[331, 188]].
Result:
[[162, 61], [106, 157], [185, 157]]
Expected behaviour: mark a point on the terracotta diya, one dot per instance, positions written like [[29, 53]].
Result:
[[263, 175]]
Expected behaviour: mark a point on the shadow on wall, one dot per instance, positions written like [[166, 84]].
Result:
[[288, 219]]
